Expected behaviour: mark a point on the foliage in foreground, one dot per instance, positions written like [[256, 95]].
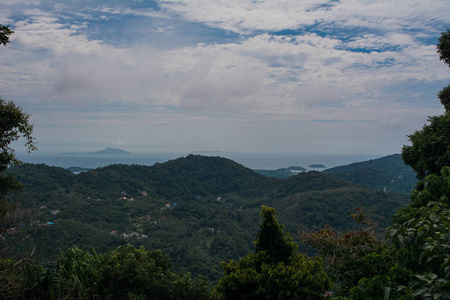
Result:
[[419, 255], [124, 273], [353, 255], [412, 262], [275, 271], [420, 240]]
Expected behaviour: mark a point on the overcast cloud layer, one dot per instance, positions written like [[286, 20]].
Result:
[[323, 76]]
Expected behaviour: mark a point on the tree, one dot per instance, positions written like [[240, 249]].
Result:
[[275, 271], [430, 147], [444, 47], [351, 256], [417, 263], [271, 239], [5, 32], [16, 247], [124, 273], [14, 123], [131, 273], [421, 241]]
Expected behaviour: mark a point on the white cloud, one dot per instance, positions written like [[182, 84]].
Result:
[[389, 15], [251, 89], [43, 31], [372, 41], [245, 16], [263, 73], [273, 15], [119, 10]]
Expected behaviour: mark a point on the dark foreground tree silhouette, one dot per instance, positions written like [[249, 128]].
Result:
[[430, 147], [16, 246], [420, 238], [275, 271], [14, 124]]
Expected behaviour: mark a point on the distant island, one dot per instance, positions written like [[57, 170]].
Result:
[[104, 151], [78, 169], [317, 166], [296, 168], [281, 173], [209, 152]]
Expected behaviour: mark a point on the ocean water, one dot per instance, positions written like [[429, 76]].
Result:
[[268, 161]]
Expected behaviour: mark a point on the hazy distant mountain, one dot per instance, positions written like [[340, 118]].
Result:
[[318, 166], [104, 151], [110, 151]]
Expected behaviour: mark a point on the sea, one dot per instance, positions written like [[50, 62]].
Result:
[[264, 161]]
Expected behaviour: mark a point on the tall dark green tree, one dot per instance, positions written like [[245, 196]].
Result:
[[278, 245], [430, 147], [275, 271]]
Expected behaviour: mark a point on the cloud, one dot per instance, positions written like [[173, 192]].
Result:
[[44, 31], [370, 42], [227, 72], [263, 73], [388, 15], [119, 10], [249, 16]]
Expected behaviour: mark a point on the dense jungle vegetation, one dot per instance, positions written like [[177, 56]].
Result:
[[199, 210]]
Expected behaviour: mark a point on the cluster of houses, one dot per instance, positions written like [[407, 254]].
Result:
[[53, 212], [129, 235]]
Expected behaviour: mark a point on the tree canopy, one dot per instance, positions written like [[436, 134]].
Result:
[[5, 32], [353, 255], [275, 271], [421, 241], [430, 147], [14, 123], [444, 47]]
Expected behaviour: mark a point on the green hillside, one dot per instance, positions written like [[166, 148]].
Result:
[[199, 210], [388, 173]]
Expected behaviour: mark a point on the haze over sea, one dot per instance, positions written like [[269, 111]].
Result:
[[269, 161]]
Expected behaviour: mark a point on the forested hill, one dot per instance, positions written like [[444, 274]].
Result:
[[182, 178], [200, 210], [388, 173]]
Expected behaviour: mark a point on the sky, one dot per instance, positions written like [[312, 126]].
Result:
[[262, 76]]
